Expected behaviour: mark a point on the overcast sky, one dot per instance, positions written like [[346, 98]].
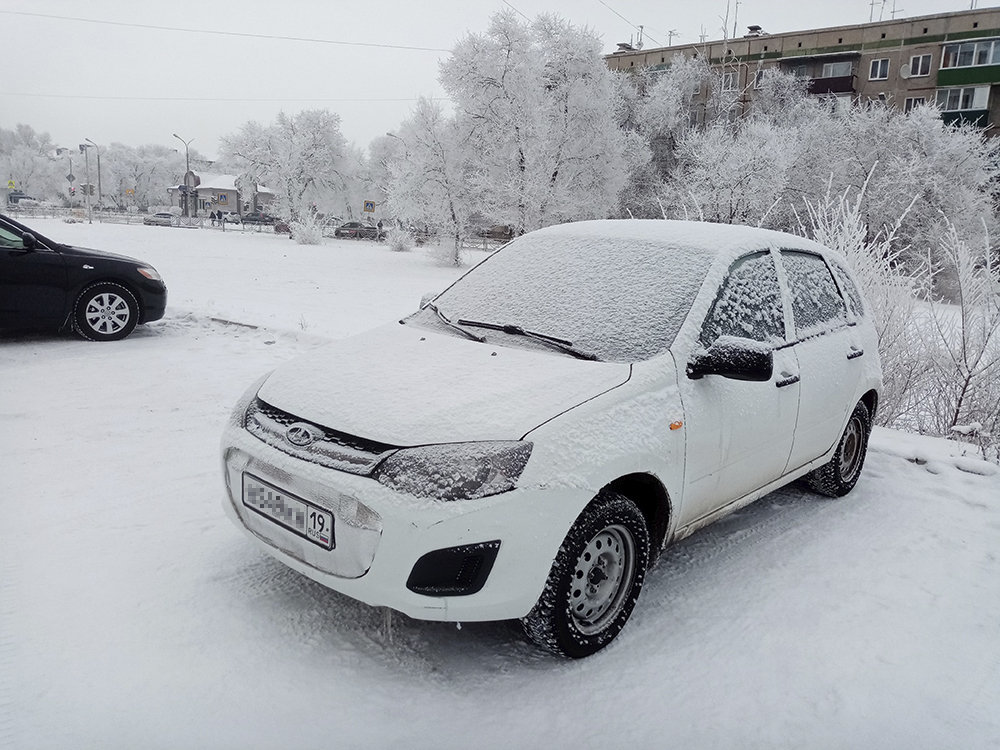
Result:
[[131, 83]]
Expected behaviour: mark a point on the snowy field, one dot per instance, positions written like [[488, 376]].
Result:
[[134, 615]]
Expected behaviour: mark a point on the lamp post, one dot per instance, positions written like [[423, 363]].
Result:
[[85, 150], [187, 171], [100, 201]]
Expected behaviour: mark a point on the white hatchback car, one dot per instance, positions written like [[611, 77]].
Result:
[[526, 444]]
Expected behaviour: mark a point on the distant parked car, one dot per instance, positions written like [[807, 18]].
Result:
[[45, 284], [258, 217], [230, 217], [17, 196], [356, 230], [162, 219], [520, 448]]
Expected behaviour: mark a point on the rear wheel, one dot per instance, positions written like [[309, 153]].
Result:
[[839, 476], [105, 312], [594, 581]]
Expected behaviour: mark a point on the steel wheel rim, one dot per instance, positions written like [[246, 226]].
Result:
[[850, 454], [107, 313], [602, 579]]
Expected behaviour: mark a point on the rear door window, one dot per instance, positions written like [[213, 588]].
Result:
[[816, 302], [848, 287]]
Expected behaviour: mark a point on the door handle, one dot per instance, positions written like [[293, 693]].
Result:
[[855, 353], [786, 379]]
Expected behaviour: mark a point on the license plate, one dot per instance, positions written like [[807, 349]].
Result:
[[294, 513]]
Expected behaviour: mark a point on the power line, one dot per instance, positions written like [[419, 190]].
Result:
[[516, 11], [626, 20], [221, 33], [206, 98]]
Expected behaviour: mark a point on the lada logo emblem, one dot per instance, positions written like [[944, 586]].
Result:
[[301, 434]]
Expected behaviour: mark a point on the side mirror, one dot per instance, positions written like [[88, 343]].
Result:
[[29, 241], [427, 299], [735, 358]]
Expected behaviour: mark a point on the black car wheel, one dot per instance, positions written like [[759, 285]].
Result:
[[105, 312], [839, 476], [594, 581]]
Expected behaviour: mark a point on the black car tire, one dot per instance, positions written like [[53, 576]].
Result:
[[595, 579], [105, 312], [838, 477]]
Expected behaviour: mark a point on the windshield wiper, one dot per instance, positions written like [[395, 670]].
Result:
[[448, 323], [516, 330]]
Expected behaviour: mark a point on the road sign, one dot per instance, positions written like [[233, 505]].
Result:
[[369, 206], [10, 184], [71, 177], [223, 199], [129, 191]]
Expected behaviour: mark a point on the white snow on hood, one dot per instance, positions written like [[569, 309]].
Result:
[[408, 386]]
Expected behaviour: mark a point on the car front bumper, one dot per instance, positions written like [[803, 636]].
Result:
[[380, 534]]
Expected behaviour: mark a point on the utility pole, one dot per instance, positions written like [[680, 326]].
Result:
[[100, 201], [670, 37], [86, 153], [187, 171]]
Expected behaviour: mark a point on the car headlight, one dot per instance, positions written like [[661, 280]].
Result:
[[455, 471], [238, 416], [150, 273]]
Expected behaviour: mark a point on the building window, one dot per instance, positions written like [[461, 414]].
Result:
[[836, 70], [920, 65], [969, 54], [799, 71], [963, 99], [913, 101], [758, 79], [729, 81], [879, 70]]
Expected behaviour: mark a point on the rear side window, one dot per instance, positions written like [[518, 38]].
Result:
[[816, 302], [748, 304], [853, 295]]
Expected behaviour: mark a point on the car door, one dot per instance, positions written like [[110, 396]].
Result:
[[32, 282], [828, 351], [738, 433]]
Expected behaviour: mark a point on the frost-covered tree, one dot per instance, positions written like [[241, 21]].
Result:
[[26, 157], [146, 170], [301, 158], [429, 176], [537, 108]]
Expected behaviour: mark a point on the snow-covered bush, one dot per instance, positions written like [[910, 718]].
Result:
[[399, 240], [308, 230], [963, 343]]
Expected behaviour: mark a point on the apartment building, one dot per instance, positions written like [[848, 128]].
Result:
[[952, 59]]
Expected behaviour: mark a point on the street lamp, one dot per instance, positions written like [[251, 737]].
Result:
[[187, 171], [85, 150], [99, 199]]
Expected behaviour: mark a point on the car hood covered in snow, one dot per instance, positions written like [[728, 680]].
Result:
[[405, 385]]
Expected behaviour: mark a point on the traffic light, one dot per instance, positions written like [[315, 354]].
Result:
[[72, 191]]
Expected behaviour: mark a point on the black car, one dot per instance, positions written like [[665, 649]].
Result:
[[356, 230], [258, 217], [45, 284]]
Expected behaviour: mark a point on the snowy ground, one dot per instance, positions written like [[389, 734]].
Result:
[[134, 615]]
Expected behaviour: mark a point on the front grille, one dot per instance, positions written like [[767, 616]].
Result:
[[333, 449]]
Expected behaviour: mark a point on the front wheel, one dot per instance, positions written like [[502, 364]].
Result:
[[594, 581], [105, 312], [839, 476]]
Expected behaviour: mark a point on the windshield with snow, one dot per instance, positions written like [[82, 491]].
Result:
[[619, 300]]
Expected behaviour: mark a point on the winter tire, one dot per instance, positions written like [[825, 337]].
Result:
[[594, 581], [839, 476], [105, 312]]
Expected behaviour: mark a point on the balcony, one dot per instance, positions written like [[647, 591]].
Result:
[[835, 85]]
